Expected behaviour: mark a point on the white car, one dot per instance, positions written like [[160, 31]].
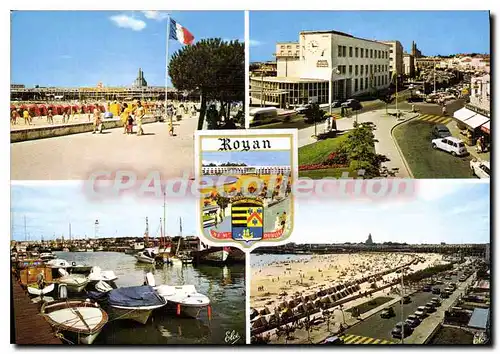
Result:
[[450, 144], [480, 168]]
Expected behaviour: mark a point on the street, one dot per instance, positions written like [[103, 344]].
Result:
[[77, 156], [380, 328]]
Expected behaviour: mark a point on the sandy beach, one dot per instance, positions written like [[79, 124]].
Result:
[[289, 282]]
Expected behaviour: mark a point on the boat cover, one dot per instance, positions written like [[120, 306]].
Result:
[[135, 296]]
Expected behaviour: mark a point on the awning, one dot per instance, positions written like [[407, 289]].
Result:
[[486, 127], [476, 121], [463, 114]]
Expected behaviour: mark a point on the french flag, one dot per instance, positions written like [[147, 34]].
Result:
[[180, 33]]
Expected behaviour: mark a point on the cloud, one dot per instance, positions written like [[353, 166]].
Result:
[[155, 15], [254, 42], [431, 190], [125, 21]]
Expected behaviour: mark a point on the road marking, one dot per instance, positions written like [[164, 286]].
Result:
[[446, 121], [435, 119], [353, 339]]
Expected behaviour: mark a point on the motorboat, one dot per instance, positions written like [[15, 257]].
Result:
[[103, 287], [183, 298], [81, 319], [47, 255], [58, 263], [135, 302], [97, 274], [146, 256], [74, 282], [34, 289]]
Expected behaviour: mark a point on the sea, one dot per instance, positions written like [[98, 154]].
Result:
[[224, 285]]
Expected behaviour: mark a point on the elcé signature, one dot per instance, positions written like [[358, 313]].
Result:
[[232, 337]]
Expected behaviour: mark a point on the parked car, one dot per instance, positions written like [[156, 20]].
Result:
[[402, 329], [444, 295], [333, 340], [440, 131], [462, 278], [436, 301], [387, 313], [430, 307], [336, 104], [351, 103], [303, 109], [450, 144], [479, 168], [436, 291], [426, 288], [406, 299], [421, 312], [413, 321]]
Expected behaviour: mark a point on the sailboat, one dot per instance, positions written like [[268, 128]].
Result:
[[181, 258], [147, 255]]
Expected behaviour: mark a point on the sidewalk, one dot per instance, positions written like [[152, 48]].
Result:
[[485, 156]]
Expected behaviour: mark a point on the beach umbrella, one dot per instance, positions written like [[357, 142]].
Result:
[[33, 109]]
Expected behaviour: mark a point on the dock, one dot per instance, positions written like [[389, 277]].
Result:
[[27, 325]]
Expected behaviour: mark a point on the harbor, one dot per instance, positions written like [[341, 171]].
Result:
[[222, 286]]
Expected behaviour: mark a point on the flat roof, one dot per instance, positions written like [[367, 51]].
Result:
[[287, 79], [479, 318], [341, 34]]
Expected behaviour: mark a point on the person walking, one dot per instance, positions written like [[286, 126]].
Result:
[[50, 116], [27, 117], [13, 117], [97, 119], [124, 117], [444, 110], [139, 114]]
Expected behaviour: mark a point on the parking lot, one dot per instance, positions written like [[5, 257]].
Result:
[[380, 328]]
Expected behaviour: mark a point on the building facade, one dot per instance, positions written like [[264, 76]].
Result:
[[409, 65], [355, 67], [395, 57], [246, 170]]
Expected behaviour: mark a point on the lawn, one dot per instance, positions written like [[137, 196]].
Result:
[[371, 304], [449, 335], [414, 139], [297, 121], [326, 172], [318, 152]]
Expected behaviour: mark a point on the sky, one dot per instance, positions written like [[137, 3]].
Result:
[[435, 32], [49, 207], [444, 210], [451, 211], [83, 48], [250, 158]]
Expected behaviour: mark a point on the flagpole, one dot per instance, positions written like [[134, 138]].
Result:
[[166, 66]]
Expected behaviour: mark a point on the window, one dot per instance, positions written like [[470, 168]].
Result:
[[288, 46], [356, 52], [344, 51], [361, 67], [366, 69], [390, 51], [366, 56], [350, 69], [361, 52], [366, 82], [289, 52], [355, 85], [344, 68], [282, 47], [340, 50], [361, 84], [390, 59], [350, 52], [371, 53], [371, 68], [356, 70]]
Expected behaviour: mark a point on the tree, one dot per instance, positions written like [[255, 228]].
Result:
[[213, 67], [314, 115]]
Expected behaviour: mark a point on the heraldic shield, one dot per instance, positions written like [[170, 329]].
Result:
[[247, 219]]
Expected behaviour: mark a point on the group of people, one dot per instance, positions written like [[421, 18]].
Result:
[[129, 115], [481, 145]]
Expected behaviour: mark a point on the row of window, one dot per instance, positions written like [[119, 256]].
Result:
[[377, 81], [362, 69], [362, 52], [289, 46]]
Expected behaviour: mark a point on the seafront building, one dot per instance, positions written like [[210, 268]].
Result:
[[319, 61], [245, 170], [395, 57]]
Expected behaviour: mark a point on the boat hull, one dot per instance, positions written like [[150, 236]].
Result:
[[138, 315], [213, 255], [46, 290]]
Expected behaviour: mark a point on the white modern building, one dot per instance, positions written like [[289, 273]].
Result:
[[395, 57], [321, 61], [246, 170]]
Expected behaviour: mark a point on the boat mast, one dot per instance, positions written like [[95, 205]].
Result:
[[146, 234], [180, 235], [164, 212], [25, 234], [161, 236]]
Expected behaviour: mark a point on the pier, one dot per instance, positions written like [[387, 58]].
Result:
[[27, 325]]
